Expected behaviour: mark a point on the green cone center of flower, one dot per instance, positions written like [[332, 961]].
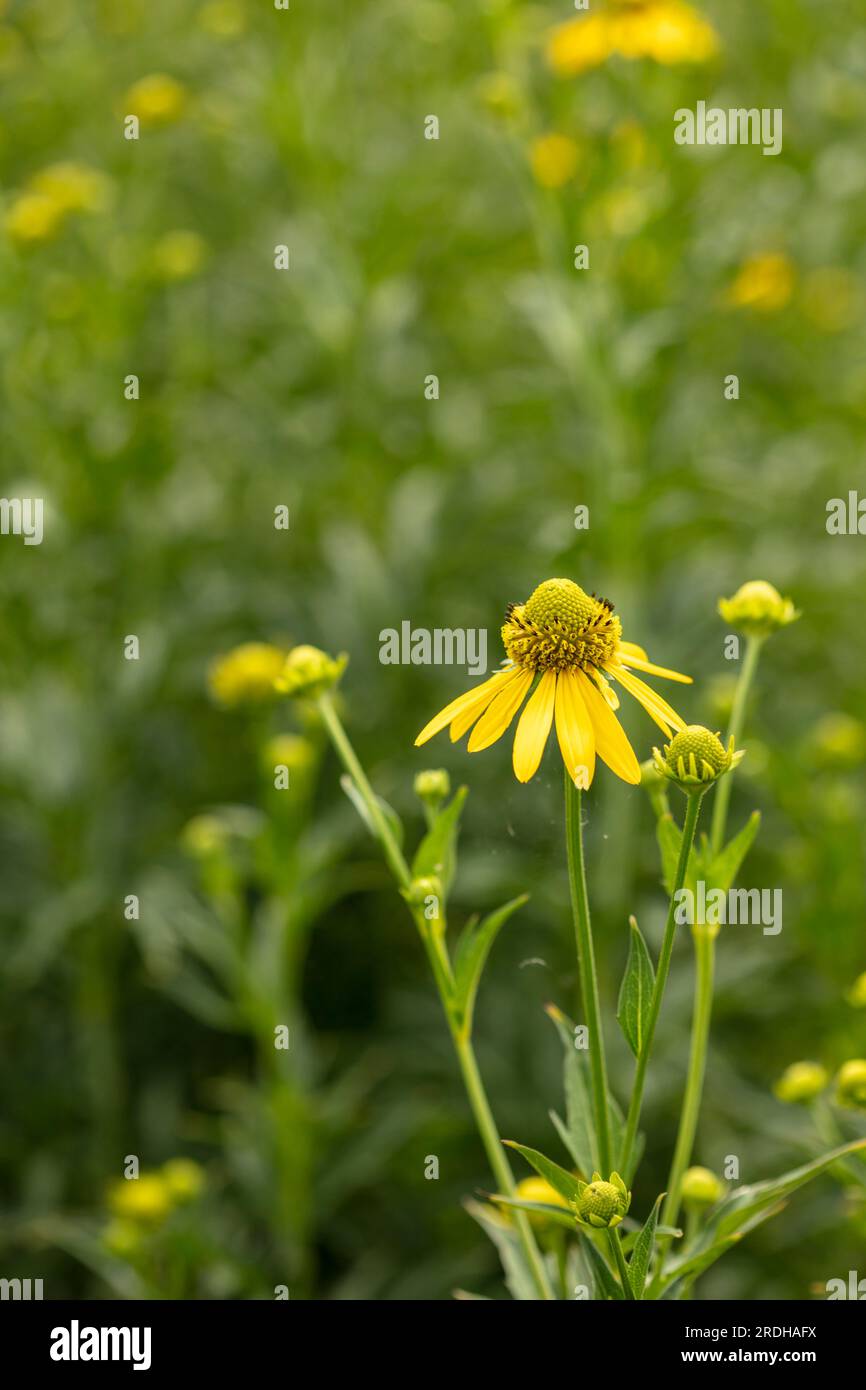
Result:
[[601, 1199], [698, 740], [561, 627]]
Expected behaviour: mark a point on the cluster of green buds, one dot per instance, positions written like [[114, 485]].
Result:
[[601, 1203], [701, 1188], [851, 1084], [801, 1083], [309, 672], [757, 609], [695, 758]]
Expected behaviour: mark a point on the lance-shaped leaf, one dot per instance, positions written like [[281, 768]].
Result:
[[578, 1131], [636, 990], [606, 1287], [724, 868], [396, 825], [437, 853], [507, 1242], [643, 1249], [473, 948], [558, 1215], [562, 1181]]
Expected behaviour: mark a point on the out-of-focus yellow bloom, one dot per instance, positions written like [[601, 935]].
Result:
[[764, 282], [757, 608], [666, 31], [246, 674], [288, 750], [624, 211], [146, 1198], [832, 299], [840, 739], [856, 995], [33, 217], [73, 187], [179, 255], [156, 99], [537, 1189], [122, 1238], [308, 672], [223, 18], [204, 836], [184, 1179], [851, 1084], [801, 1082], [701, 1187], [554, 158]]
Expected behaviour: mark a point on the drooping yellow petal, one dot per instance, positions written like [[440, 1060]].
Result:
[[574, 730], [655, 705], [611, 743], [476, 699], [632, 649], [533, 728], [498, 715], [642, 664]]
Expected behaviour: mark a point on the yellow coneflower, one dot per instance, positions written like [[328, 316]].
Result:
[[764, 282], [246, 674], [666, 31], [572, 641]]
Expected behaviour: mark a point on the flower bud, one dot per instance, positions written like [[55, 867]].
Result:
[[204, 836], [288, 750], [601, 1203], [184, 1179], [757, 609], [432, 786], [246, 675], [695, 758], [801, 1082], [851, 1084], [857, 993], [420, 889], [701, 1187], [309, 672]]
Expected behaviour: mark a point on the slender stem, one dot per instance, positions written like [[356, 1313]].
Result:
[[441, 968], [705, 950], [588, 974], [497, 1157], [616, 1246], [735, 729], [693, 810]]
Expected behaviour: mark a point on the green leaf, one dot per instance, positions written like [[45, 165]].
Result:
[[507, 1243], [643, 1249], [635, 993], [472, 950], [602, 1277], [351, 789], [669, 838], [578, 1132], [437, 852], [724, 868], [556, 1214], [563, 1182]]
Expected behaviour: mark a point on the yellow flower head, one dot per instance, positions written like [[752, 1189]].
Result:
[[33, 217], [156, 99], [122, 1238], [308, 672], [840, 739], [537, 1189], [288, 750], [572, 642], [204, 836], [178, 255], [601, 1203], [851, 1084], [665, 31], [146, 1198], [764, 282], [554, 159], [73, 187], [757, 608], [857, 993], [184, 1179], [246, 675], [801, 1082], [695, 758], [701, 1187]]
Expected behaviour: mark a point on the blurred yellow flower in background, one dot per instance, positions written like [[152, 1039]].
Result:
[[73, 187], [553, 158], [764, 282], [223, 18], [246, 674], [666, 31], [500, 93], [183, 1178], [156, 99], [33, 217], [146, 1198], [178, 255]]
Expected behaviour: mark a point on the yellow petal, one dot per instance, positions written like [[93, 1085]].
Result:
[[632, 649], [533, 728], [574, 730], [611, 743], [655, 705], [642, 664], [499, 714], [476, 699]]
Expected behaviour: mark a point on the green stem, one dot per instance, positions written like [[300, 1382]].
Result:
[[616, 1247], [441, 967], [705, 951], [693, 810], [735, 729], [588, 974]]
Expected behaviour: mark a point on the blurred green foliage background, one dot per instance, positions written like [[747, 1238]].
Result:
[[305, 388]]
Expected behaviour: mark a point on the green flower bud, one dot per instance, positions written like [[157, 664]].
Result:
[[757, 609], [204, 836], [309, 672], [696, 758], [801, 1082], [432, 786], [426, 893], [701, 1187], [857, 992], [288, 750], [601, 1203], [851, 1084]]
